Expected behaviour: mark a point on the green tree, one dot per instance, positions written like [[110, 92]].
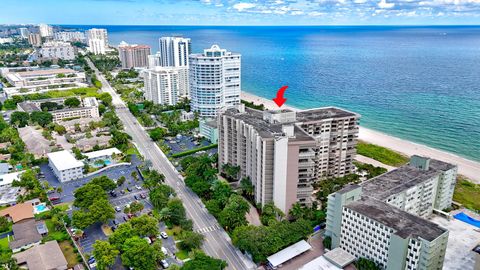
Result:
[[86, 195], [19, 119], [247, 188], [104, 254], [190, 240], [176, 211], [123, 232], [121, 180], [327, 242], [160, 196], [271, 213], [41, 118], [153, 178], [366, 264], [221, 192], [4, 224], [145, 225], [134, 208], [72, 102], [106, 183], [120, 139], [60, 129], [233, 215], [157, 133], [138, 254], [201, 261]]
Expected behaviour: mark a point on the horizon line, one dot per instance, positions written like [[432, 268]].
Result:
[[261, 25]]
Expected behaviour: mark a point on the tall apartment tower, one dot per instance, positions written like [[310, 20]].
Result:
[[35, 39], [154, 60], [214, 80], [133, 56], [161, 85], [280, 152], [24, 32], [45, 30], [97, 40], [383, 218], [174, 52]]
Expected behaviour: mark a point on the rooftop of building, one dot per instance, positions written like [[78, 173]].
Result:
[[18, 212], [45, 72], [339, 257], [323, 113], [25, 233], [46, 256], [402, 178], [405, 224], [102, 153], [264, 128], [28, 107], [64, 160]]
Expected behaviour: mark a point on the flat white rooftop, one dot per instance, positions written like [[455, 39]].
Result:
[[319, 263], [288, 253], [8, 178], [64, 160], [102, 153], [339, 257]]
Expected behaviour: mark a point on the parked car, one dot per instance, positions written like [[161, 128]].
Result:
[[113, 193], [165, 251], [136, 197], [115, 222], [125, 218], [138, 187], [164, 235], [122, 191], [143, 196], [118, 209], [164, 264], [129, 189]]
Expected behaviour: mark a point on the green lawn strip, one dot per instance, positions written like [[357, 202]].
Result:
[[467, 193], [182, 255], [54, 234], [69, 253], [381, 154], [189, 152], [4, 243]]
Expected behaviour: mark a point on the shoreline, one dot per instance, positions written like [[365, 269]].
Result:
[[466, 167]]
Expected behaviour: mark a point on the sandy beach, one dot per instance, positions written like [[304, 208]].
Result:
[[466, 167]]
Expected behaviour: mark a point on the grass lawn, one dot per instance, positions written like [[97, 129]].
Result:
[[69, 253], [381, 154], [174, 231], [132, 150], [182, 255], [467, 193], [4, 243], [54, 234], [107, 230]]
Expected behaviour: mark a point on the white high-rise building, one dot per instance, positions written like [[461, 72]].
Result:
[[97, 40], [57, 50], [161, 85], [45, 30], [214, 80], [23, 32], [174, 51], [154, 60]]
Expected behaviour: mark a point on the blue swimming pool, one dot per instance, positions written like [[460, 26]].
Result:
[[40, 208]]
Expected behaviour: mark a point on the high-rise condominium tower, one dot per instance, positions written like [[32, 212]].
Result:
[[284, 152], [97, 40], [161, 85], [133, 55], [214, 80], [45, 30]]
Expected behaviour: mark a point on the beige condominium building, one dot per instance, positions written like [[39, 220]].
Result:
[[383, 219], [133, 55], [283, 152]]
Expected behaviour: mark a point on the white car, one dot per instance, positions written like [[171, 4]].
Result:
[[164, 264], [164, 235], [138, 187], [165, 251]]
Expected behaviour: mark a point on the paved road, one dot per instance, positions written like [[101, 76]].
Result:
[[217, 242]]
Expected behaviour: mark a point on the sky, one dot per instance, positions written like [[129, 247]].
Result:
[[241, 12]]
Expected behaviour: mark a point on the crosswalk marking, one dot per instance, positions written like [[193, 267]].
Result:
[[207, 229]]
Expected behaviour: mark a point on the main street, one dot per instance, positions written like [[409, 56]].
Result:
[[217, 242]]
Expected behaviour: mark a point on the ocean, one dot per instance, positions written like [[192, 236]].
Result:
[[420, 83]]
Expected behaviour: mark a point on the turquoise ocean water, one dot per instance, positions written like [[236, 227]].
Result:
[[417, 83]]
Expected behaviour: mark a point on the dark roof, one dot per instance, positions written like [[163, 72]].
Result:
[[405, 225], [323, 113], [29, 107], [402, 178], [348, 188], [25, 232]]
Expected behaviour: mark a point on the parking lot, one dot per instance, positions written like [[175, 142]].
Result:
[[185, 143], [129, 192]]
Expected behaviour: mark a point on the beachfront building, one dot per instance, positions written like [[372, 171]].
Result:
[[383, 218], [214, 80], [65, 166], [74, 36], [97, 40], [41, 80], [284, 152], [35, 39], [55, 50], [45, 30], [133, 56], [162, 85], [154, 60]]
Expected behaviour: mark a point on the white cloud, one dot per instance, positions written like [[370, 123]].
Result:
[[243, 6], [297, 12], [384, 4], [359, 1]]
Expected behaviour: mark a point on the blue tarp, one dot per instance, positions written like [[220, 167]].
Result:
[[467, 219]]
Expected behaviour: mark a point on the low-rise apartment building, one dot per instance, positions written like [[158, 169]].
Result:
[[42, 80], [284, 152], [383, 218], [88, 108], [65, 166], [57, 50]]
